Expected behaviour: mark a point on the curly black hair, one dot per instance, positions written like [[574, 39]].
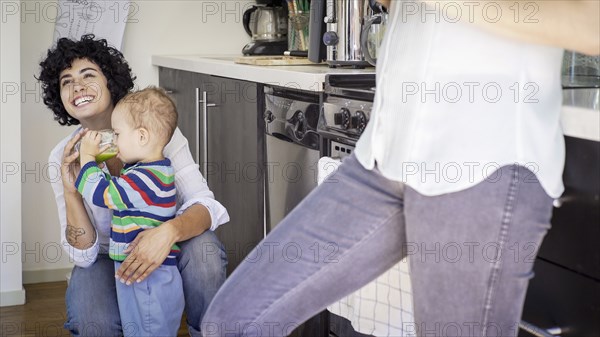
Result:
[[110, 60]]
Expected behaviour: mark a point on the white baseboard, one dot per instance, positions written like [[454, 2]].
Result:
[[45, 275], [15, 297]]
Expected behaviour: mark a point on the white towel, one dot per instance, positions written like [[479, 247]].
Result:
[[327, 166], [382, 307]]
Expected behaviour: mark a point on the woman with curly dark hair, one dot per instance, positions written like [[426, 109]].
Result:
[[82, 81], [111, 63]]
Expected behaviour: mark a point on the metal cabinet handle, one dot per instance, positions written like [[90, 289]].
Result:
[[197, 140], [579, 198], [203, 111], [539, 332], [557, 203]]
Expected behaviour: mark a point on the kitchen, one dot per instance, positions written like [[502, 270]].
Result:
[[187, 22]]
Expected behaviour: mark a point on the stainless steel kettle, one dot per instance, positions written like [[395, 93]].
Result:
[[373, 31], [267, 25]]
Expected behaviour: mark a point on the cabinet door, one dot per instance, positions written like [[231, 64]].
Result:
[[565, 292], [234, 166], [575, 235], [184, 87]]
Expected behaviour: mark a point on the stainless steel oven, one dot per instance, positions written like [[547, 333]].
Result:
[[346, 111]]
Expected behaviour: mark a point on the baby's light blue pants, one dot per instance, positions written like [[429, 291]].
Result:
[[154, 306]]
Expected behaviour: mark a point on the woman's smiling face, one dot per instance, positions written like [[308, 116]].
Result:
[[84, 91]]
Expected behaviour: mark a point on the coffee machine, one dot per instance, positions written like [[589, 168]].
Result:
[[267, 24], [341, 30]]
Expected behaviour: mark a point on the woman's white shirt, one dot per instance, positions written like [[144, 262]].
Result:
[[454, 103], [191, 189]]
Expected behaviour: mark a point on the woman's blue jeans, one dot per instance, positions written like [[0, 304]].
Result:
[[471, 255], [91, 299]]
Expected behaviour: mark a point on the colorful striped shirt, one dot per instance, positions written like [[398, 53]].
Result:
[[142, 197]]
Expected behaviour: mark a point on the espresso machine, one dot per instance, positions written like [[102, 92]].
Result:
[[342, 30], [267, 24]]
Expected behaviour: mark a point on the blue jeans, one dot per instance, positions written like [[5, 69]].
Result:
[[152, 307], [92, 308], [471, 255]]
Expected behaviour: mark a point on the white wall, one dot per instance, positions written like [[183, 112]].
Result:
[[155, 27], [41, 250], [182, 27], [11, 288]]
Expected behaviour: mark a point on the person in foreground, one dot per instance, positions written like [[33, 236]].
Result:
[[457, 169], [82, 81], [142, 197]]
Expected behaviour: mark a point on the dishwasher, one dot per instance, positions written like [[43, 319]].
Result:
[[292, 149]]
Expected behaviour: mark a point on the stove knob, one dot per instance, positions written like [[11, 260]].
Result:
[[330, 38], [342, 118], [269, 116], [300, 125], [359, 121]]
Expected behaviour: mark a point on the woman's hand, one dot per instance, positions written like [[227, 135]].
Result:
[[70, 163], [147, 252], [152, 246], [79, 232]]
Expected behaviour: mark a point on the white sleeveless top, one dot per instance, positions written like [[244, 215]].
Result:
[[454, 103]]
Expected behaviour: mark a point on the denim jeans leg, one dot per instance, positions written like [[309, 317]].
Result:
[[91, 300], [471, 254], [202, 265], [345, 233]]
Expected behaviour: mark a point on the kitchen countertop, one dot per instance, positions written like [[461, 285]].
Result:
[[580, 114], [309, 77]]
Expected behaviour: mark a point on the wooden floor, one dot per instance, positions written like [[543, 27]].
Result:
[[43, 314]]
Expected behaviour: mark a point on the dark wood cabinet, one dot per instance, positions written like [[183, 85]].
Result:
[[574, 240], [182, 87], [220, 118], [565, 292], [235, 134]]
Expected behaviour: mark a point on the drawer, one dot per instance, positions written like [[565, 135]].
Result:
[[574, 238], [558, 297], [582, 164]]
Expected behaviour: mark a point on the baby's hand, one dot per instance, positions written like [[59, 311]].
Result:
[[90, 147]]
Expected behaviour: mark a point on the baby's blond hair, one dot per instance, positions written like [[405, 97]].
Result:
[[152, 109]]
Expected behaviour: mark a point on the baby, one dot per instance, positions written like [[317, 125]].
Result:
[[142, 197]]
